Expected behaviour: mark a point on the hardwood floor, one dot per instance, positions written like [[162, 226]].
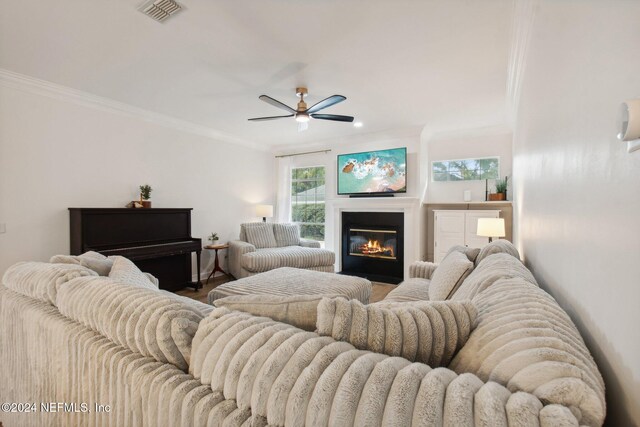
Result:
[[378, 291]]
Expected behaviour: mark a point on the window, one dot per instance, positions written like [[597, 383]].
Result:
[[466, 169], [307, 201]]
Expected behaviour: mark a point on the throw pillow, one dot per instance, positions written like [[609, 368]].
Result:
[[287, 234], [471, 253], [497, 247], [91, 260], [449, 275], [260, 235], [429, 332], [298, 310], [41, 280], [126, 272]]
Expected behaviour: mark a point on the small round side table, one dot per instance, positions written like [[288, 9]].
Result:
[[216, 264]]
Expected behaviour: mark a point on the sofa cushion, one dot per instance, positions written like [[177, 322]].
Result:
[[297, 310], [259, 234], [287, 234], [290, 256], [497, 247], [125, 271], [471, 253], [151, 322], [92, 260], [415, 289], [42, 280], [430, 332], [491, 269], [451, 272], [526, 342], [285, 376]]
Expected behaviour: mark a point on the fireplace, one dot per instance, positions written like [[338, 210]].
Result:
[[372, 245]]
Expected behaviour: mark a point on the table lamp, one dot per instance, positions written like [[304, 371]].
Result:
[[490, 227], [265, 211]]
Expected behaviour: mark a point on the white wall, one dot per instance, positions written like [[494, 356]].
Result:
[[577, 196], [487, 142], [56, 154]]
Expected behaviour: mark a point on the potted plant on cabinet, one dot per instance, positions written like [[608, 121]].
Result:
[[145, 195], [501, 190]]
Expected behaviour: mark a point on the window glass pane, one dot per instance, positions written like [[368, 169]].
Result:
[[307, 201], [465, 169]]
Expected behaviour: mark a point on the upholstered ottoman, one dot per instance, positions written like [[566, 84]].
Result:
[[287, 281]]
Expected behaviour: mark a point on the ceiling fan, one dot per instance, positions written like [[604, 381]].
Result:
[[302, 114]]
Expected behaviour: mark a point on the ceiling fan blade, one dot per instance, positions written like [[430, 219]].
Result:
[[328, 102], [276, 103], [262, 119], [334, 117]]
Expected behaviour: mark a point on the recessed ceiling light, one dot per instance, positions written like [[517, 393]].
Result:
[[357, 124]]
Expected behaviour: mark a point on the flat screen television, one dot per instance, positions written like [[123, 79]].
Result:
[[380, 172]]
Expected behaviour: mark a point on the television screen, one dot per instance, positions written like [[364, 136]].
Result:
[[373, 172]]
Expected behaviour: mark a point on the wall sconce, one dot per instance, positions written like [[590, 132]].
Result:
[[630, 124]]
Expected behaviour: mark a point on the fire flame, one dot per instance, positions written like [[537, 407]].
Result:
[[373, 247]]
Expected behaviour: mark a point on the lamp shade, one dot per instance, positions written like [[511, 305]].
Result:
[[490, 227], [264, 211]]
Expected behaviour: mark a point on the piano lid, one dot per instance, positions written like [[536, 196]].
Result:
[[104, 228]]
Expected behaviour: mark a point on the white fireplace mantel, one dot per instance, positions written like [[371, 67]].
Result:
[[410, 206]]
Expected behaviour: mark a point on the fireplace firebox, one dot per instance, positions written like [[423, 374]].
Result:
[[372, 245]]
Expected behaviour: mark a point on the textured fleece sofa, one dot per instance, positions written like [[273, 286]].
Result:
[[266, 246], [69, 335]]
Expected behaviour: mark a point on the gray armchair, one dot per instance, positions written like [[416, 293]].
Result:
[[266, 246]]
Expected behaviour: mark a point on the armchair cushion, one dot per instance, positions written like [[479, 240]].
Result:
[[259, 234], [287, 234], [308, 243], [289, 256]]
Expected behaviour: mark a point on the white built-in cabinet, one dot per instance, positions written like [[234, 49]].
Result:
[[453, 228]]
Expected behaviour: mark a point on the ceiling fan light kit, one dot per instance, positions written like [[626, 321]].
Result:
[[303, 114]]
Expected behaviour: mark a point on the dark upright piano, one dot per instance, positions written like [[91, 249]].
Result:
[[158, 241]]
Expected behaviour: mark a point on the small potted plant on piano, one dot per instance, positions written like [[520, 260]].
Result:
[[214, 239], [145, 195]]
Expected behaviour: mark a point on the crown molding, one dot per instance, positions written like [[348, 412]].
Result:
[[524, 13], [352, 140], [63, 93], [476, 132]]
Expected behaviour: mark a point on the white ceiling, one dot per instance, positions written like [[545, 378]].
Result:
[[401, 64]]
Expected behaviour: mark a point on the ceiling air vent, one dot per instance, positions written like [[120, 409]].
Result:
[[160, 10]]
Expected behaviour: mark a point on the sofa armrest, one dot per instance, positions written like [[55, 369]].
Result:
[[422, 269], [237, 248], [308, 243]]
